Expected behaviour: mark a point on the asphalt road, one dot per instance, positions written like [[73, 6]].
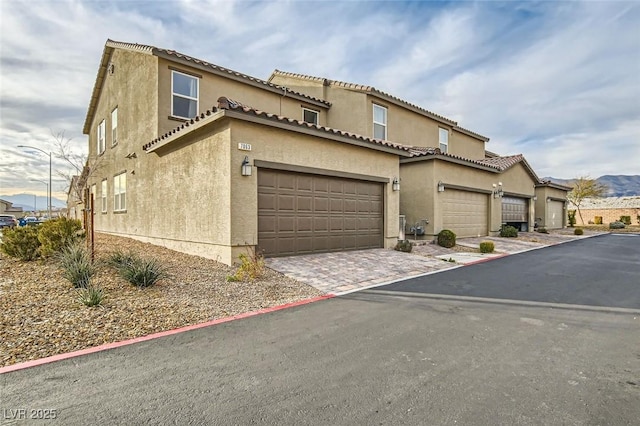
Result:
[[366, 358], [599, 271]]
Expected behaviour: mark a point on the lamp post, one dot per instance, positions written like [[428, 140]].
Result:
[[38, 180], [49, 188]]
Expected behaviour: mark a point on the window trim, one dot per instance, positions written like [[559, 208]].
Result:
[[314, 111], [114, 128], [102, 143], [440, 143], [117, 203], [197, 99], [386, 120], [103, 195]]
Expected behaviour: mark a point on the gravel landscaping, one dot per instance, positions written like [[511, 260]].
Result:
[[40, 314]]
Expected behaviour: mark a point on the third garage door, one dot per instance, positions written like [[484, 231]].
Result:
[[465, 212], [301, 213]]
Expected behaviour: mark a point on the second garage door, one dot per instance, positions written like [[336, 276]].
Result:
[[465, 212], [302, 213], [555, 214]]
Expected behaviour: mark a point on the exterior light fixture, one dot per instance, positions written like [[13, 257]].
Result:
[[535, 198], [497, 190], [246, 166], [396, 184], [440, 186]]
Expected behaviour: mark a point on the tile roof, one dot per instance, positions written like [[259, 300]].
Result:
[[417, 151], [502, 163], [384, 95], [110, 45], [225, 103]]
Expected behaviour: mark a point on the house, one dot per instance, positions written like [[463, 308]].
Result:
[[451, 181], [205, 160], [7, 207]]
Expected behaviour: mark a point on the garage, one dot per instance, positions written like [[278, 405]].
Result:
[[300, 213], [465, 212], [555, 214], [515, 212]]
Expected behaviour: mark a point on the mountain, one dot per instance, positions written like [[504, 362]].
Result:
[[26, 201], [619, 185]]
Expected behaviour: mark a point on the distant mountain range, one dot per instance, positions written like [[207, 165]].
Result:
[[26, 201], [619, 185]]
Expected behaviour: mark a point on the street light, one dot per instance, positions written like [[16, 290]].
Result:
[[49, 188], [39, 180]]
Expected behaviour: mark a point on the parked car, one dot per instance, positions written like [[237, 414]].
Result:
[[29, 220], [8, 221]]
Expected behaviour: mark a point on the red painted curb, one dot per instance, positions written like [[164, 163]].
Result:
[[475, 262], [107, 346]]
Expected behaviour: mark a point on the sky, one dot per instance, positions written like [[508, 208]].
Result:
[[557, 81]]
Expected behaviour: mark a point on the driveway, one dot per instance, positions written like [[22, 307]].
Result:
[[367, 358]]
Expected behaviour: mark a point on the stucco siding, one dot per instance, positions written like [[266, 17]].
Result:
[[466, 146]]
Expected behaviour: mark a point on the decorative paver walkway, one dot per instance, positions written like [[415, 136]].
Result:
[[337, 273]]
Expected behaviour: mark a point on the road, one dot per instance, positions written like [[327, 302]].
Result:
[[371, 357]]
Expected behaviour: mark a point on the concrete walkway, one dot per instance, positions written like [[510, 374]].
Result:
[[345, 272]]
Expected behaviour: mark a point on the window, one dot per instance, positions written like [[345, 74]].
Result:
[[120, 192], [379, 122], [184, 99], [101, 144], [444, 140], [114, 126], [310, 116], [103, 195]]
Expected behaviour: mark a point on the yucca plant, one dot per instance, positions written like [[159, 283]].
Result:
[[142, 272], [91, 296], [75, 261]]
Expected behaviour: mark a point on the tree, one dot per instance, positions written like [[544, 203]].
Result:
[[585, 187]]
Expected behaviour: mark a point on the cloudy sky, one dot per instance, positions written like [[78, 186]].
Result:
[[556, 81]]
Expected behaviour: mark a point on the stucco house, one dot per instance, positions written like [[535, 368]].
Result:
[[210, 161]]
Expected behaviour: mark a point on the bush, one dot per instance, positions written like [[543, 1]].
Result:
[[21, 242], [119, 258], [75, 261], [542, 230], [251, 268], [56, 234], [446, 238], [508, 231], [404, 246], [91, 296], [572, 217], [142, 272], [626, 220], [578, 231], [616, 225], [598, 220], [487, 247]]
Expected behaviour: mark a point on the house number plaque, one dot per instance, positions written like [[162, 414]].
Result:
[[244, 146]]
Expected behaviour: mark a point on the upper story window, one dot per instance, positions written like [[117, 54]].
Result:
[[310, 115], [444, 139], [184, 95], [114, 126], [103, 195], [379, 122], [120, 192], [101, 135]]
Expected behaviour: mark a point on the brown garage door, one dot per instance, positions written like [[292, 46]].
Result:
[[465, 212], [302, 213], [514, 210]]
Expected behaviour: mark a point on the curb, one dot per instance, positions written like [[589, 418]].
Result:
[[107, 346]]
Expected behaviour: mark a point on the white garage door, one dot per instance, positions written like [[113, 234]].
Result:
[[465, 213], [555, 214]]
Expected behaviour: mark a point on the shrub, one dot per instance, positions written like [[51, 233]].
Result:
[[578, 231], [487, 247], [142, 272], [508, 231], [91, 296], [572, 217], [598, 220], [616, 225], [446, 238], [251, 267], [119, 258], [21, 242], [75, 261], [543, 230], [626, 220], [56, 234], [404, 246]]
